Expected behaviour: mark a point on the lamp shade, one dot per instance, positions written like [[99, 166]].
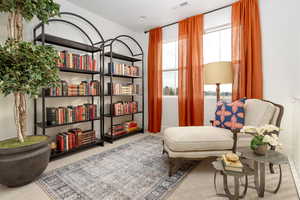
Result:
[[218, 73]]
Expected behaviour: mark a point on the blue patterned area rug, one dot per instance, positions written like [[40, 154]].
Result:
[[133, 171]]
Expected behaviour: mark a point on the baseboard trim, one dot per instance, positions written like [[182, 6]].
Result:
[[295, 175]]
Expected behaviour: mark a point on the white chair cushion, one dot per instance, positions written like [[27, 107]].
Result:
[[258, 112], [197, 138]]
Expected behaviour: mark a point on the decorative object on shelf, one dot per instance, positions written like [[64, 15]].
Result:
[[126, 67], [24, 69], [53, 147], [218, 73], [73, 62], [263, 136]]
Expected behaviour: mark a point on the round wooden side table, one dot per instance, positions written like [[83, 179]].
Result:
[[247, 171], [272, 158]]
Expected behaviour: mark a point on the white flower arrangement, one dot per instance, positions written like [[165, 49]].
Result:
[[268, 128], [263, 134]]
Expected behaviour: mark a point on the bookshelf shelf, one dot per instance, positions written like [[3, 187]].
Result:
[[80, 71], [89, 52], [122, 95], [121, 76], [110, 115], [72, 96], [109, 78], [51, 39], [40, 124], [56, 155], [122, 57], [110, 138]]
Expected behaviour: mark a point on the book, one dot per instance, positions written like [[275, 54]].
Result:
[[51, 116], [123, 69], [76, 61], [236, 166]]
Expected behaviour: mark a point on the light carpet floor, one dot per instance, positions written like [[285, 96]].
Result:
[[197, 185]]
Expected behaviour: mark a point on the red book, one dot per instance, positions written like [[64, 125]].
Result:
[[94, 65], [73, 140], [69, 141], [81, 65], [60, 141]]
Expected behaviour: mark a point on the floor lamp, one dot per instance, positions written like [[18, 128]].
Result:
[[217, 73]]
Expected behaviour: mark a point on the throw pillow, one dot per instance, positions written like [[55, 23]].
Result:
[[230, 115]]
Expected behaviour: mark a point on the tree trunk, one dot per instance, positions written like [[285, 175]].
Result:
[[15, 25], [15, 31], [21, 115]]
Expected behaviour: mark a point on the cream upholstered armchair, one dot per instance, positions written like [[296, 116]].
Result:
[[196, 142]]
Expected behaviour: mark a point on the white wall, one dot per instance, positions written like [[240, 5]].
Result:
[[280, 40], [107, 28], [281, 45]]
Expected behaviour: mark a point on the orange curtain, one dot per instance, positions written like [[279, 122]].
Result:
[[155, 80], [246, 50], [190, 69]]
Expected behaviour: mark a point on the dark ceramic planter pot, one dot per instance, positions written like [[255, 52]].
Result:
[[22, 165], [261, 150]]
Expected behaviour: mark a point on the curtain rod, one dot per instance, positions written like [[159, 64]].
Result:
[[214, 10]]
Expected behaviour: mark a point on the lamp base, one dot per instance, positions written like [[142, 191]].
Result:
[[218, 91]]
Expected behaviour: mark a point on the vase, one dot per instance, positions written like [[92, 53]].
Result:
[[261, 150], [22, 165]]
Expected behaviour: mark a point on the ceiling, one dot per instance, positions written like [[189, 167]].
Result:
[[141, 15]]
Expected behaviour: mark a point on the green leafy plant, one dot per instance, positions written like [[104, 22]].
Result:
[[26, 68], [26, 9], [257, 141]]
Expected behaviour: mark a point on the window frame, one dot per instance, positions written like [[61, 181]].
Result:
[[206, 31], [175, 69]]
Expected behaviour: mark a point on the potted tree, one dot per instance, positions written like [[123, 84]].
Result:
[[25, 68]]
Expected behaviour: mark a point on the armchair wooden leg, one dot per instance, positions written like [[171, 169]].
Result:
[[171, 166], [163, 145]]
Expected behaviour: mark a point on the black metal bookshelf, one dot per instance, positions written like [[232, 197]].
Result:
[[95, 49], [133, 58]]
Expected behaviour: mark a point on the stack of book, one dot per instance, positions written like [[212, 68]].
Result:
[[122, 89], [74, 138], [121, 129], [73, 90], [91, 88], [118, 130], [83, 89], [230, 164], [131, 126], [76, 61], [124, 107], [123, 69], [70, 114]]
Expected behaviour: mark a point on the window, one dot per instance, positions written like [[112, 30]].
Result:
[[217, 47], [170, 61]]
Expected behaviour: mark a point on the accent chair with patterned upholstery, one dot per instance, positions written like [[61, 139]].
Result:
[[197, 142]]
